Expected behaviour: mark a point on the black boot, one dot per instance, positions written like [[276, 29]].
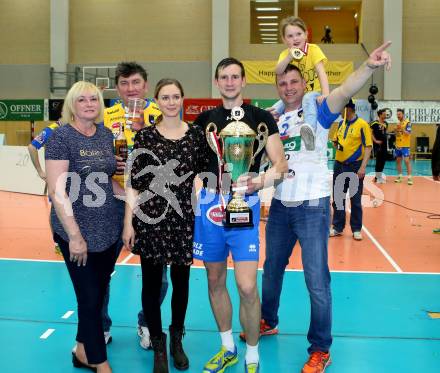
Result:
[[160, 353], [176, 349]]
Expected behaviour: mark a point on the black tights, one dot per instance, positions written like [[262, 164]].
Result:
[[151, 285]]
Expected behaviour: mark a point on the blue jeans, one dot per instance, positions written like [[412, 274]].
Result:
[[307, 222], [341, 185]]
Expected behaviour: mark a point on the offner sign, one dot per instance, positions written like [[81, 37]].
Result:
[[22, 110]]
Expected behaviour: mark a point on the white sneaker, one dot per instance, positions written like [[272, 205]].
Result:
[[308, 136], [144, 335], [108, 337], [357, 236], [334, 232]]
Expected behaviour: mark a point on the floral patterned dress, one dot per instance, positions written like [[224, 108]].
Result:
[[163, 173]]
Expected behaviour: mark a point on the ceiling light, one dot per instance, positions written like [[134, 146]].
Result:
[[326, 8], [266, 1], [268, 24], [275, 35], [270, 42], [268, 29], [355, 15], [268, 9], [267, 17], [269, 38]]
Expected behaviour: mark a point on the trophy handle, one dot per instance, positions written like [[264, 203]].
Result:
[[211, 128], [262, 135]]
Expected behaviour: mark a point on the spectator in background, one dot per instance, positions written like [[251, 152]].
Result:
[[403, 143], [379, 134], [353, 145]]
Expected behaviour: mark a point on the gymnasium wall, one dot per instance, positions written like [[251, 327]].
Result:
[[173, 38]]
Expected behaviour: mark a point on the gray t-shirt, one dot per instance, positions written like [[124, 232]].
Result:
[[89, 186]]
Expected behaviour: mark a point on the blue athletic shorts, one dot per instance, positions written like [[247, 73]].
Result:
[[213, 242], [401, 152]]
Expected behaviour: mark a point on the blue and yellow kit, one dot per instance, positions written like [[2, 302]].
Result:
[[403, 134], [352, 138], [114, 118]]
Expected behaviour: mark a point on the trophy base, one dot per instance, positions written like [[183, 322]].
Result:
[[239, 219]]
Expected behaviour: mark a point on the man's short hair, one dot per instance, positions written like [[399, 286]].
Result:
[[380, 112], [225, 62], [401, 110], [126, 69], [288, 69], [350, 104]]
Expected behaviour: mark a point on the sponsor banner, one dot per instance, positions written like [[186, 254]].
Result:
[[22, 110], [263, 72], [415, 111], [192, 107], [263, 103]]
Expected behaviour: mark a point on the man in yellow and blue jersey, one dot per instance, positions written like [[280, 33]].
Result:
[[403, 142], [353, 144], [131, 82]]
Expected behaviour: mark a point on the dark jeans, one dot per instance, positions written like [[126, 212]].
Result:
[[345, 180], [381, 157], [90, 283], [307, 223], [152, 275]]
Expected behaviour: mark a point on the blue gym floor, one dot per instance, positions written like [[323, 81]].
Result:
[[380, 322]]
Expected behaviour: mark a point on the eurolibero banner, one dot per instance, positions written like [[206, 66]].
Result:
[[263, 72], [22, 110], [415, 111]]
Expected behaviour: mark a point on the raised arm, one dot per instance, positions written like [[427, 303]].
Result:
[[340, 96]]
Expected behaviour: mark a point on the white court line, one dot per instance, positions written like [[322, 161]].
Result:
[[112, 273], [380, 247], [259, 269], [47, 333], [129, 256], [431, 179], [67, 314], [382, 250]]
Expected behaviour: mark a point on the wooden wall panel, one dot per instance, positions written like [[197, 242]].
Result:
[[24, 30], [154, 30]]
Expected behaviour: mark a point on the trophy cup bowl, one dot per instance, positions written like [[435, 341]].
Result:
[[237, 153]]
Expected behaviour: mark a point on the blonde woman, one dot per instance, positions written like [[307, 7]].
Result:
[[79, 166]]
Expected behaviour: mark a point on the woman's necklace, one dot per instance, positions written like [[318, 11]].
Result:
[[91, 131]]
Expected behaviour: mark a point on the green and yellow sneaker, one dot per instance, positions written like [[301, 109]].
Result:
[[251, 368], [221, 360]]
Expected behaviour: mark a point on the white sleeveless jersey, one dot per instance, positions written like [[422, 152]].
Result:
[[308, 173]]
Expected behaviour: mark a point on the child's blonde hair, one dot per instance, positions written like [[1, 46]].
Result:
[[292, 21]]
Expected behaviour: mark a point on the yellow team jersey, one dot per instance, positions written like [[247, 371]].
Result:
[[307, 64], [403, 134], [352, 137], [114, 117]]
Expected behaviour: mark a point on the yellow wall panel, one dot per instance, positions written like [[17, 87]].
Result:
[[25, 32], [112, 30]]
